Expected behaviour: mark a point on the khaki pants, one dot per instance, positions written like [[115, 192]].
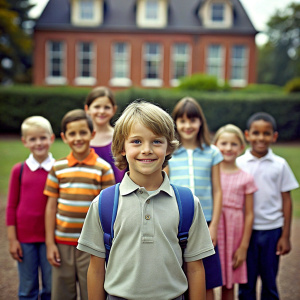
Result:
[[73, 269]]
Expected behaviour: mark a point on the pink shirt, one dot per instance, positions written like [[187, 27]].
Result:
[[27, 203]]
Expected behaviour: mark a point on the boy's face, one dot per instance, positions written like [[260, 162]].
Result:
[[261, 135], [38, 141], [101, 111], [78, 137], [145, 152]]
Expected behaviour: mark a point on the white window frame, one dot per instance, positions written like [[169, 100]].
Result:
[[120, 61], [239, 65], [86, 10], [151, 10], [183, 58], [215, 63], [83, 56], [155, 58], [215, 12], [52, 66]]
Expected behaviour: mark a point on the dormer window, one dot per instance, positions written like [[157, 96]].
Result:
[[152, 13], [87, 12], [217, 14]]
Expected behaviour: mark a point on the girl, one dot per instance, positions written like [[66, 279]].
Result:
[[236, 220], [100, 104], [196, 165]]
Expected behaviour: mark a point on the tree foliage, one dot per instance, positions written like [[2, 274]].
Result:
[[279, 58], [15, 41]]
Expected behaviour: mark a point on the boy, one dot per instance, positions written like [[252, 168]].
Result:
[[145, 259], [25, 212], [72, 184], [272, 206]]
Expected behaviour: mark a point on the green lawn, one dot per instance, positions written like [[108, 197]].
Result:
[[13, 151]]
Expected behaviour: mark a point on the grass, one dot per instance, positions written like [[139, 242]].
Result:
[[13, 151]]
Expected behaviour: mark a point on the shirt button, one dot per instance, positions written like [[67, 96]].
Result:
[[147, 217], [148, 201], [141, 192]]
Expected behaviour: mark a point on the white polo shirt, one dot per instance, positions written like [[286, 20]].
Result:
[[145, 260], [272, 176]]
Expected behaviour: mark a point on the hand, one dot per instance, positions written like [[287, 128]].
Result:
[[239, 257], [283, 246], [53, 255], [213, 234], [15, 250]]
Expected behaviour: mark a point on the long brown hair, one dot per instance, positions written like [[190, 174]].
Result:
[[192, 109]]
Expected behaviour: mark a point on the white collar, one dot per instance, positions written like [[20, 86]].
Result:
[[33, 164], [268, 156]]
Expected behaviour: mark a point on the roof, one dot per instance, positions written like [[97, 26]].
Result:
[[119, 16]]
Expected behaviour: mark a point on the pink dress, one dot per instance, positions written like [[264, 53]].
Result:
[[235, 186]]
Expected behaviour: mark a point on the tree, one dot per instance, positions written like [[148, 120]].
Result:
[[15, 41], [279, 58]]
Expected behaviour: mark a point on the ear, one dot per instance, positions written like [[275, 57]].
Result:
[[63, 137], [123, 152], [247, 135], [115, 108], [52, 138], [86, 108], [93, 134], [275, 136], [24, 141]]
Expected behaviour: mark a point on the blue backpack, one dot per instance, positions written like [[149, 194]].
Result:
[[108, 207]]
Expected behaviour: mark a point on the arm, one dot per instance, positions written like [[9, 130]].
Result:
[[95, 278], [107, 179], [53, 255], [196, 280], [217, 202], [15, 249], [284, 244], [241, 253]]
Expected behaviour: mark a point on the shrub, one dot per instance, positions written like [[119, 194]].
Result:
[[293, 86], [199, 82]]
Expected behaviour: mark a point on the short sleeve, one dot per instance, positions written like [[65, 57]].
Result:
[[217, 156], [250, 184], [52, 185], [288, 181]]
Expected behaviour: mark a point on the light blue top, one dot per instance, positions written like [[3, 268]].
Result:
[[192, 168]]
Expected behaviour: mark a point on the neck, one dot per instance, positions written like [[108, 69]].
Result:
[[40, 159], [189, 144], [228, 167], [150, 183]]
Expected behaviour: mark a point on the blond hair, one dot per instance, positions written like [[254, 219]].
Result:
[[36, 122], [152, 117], [230, 128]]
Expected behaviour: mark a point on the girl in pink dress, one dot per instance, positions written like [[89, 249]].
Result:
[[235, 226]]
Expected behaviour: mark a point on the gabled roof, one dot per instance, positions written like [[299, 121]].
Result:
[[120, 15]]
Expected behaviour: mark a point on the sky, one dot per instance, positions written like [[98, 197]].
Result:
[[259, 12]]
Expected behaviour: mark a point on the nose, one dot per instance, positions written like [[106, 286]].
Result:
[[147, 149]]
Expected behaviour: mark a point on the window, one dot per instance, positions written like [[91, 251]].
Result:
[[85, 63], [239, 65], [151, 10], [86, 9], [217, 12], [55, 62], [120, 65], [152, 64], [214, 61], [180, 61]]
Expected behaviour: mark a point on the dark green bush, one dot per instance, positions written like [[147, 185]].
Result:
[[220, 108], [293, 86], [199, 82]]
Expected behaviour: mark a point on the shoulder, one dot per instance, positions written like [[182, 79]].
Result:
[[100, 162]]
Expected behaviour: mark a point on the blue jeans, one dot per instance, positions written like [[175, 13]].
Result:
[[34, 257], [262, 261]]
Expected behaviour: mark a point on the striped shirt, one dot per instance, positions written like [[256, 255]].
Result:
[[75, 184], [192, 169]]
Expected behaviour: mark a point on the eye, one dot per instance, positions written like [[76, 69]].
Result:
[[157, 142], [136, 142]]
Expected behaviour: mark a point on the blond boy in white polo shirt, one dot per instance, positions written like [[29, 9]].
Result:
[[272, 207], [145, 260]]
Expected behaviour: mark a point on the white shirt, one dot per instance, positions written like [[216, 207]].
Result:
[[272, 176], [33, 164]]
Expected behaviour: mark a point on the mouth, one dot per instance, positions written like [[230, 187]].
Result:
[[146, 160]]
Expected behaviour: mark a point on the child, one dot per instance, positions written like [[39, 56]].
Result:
[[235, 226], [272, 206], [25, 213], [145, 259], [100, 104], [196, 165], [72, 184]]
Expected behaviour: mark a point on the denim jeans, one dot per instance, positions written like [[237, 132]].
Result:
[[34, 258]]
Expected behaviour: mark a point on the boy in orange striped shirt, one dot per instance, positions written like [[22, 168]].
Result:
[[71, 186]]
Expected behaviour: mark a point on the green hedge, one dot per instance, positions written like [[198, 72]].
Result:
[[17, 103]]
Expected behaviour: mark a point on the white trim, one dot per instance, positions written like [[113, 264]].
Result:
[[152, 82], [56, 80], [121, 82], [85, 81]]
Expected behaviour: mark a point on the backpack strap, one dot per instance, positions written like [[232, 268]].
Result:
[[185, 202], [108, 207], [21, 171], [108, 211]]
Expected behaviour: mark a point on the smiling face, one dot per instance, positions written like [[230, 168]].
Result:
[[230, 146], [145, 153], [101, 111], [188, 129], [260, 135], [38, 141], [78, 136]]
